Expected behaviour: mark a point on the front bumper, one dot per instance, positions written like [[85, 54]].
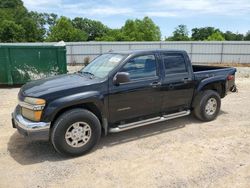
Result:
[[30, 129]]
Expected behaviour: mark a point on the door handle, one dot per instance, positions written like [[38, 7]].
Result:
[[171, 86], [155, 84], [185, 80]]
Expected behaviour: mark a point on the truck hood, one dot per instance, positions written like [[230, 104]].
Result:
[[56, 84]]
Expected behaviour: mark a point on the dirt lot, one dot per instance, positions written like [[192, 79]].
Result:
[[179, 153]]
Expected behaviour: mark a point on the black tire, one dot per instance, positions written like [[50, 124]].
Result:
[[62, 124], [201, 101]]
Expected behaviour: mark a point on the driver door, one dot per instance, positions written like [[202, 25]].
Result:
[[139, 97]]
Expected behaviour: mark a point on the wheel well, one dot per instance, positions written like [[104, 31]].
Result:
[[88, 106], [218, 87]]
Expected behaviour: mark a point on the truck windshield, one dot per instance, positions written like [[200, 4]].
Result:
[[102, 65]]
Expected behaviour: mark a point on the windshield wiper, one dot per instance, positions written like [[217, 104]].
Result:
[[88, 73]]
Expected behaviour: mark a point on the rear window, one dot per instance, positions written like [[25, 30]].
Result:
[[174, 63]]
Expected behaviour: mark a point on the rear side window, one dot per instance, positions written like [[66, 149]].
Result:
[[174, 63]]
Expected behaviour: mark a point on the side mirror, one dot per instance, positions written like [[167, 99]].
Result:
[[121, 77]]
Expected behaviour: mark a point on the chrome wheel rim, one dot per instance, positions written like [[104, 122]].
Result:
[[211, 106], [78, 134]]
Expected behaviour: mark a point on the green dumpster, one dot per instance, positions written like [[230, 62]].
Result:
[[20, 64]]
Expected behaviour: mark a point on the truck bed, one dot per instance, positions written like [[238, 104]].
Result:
[[198, 68], [204, 71]]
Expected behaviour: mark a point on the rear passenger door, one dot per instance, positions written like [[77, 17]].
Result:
[[177, 85]]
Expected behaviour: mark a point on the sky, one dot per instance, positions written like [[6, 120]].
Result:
[[233, 15]]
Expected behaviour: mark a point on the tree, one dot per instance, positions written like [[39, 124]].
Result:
[[10, 3], [43, 22], [93, 28], [230, 36], [113, 35], [33, 32], [22, 21], [18, 24], [216, 36], [130, 30], [12, 10], [151, 32], [11, 32], [180, 34], [247, 36], [203, 33], [64, 30], [134, 30], [50, 19], [141, 30]]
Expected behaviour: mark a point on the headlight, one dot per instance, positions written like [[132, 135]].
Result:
[[34, 101], [32, 108]]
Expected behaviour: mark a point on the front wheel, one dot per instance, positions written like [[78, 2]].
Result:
[[75, 132], [207, 105]]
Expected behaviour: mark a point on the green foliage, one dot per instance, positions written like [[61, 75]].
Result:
[[180, 34], [94, 29], [39, 18], [230, 36], [64, 30], [50, 19], [134, 30], [203, 33], [247, 37], [216, 36], [11, 9], [114, 35], [10, 3], [33, 32], [141, 30], [17, 24], [11, 32], [43, 22], [25, 26]]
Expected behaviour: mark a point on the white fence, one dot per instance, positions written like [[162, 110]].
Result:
[[199, 52]]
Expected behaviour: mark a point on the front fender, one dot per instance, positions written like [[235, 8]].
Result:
[[59, 104]]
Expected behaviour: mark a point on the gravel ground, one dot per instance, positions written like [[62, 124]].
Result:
[[178, 153]]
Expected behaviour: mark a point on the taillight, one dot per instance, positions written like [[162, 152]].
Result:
[[230, 77]]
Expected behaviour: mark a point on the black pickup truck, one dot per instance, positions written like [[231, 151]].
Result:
[[118, 91]]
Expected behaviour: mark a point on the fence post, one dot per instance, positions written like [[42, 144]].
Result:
[[191, 52], [101, 51], [71, 55], [129, 46], [222, 51]]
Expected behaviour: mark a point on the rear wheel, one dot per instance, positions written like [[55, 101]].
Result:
[[207, 105], [75, 132]]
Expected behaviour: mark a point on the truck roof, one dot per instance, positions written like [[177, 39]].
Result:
[[146, 51]]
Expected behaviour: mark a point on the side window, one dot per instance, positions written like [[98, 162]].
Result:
[[174, 63], [141, 67]]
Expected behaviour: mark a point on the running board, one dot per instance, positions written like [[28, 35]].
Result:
[[148, 121]]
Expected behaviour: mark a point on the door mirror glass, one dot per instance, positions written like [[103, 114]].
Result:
[[121, 77]]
